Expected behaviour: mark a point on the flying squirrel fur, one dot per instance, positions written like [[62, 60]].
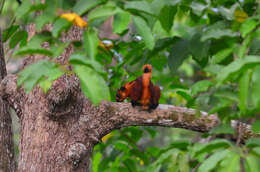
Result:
[[142, 92]]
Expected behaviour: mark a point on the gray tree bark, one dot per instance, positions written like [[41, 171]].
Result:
[[7, 158]]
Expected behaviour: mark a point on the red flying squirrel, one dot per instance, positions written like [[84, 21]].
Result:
[[141, 91]]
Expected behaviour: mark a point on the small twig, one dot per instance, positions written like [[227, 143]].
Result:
[[3, 71], [239, 133]]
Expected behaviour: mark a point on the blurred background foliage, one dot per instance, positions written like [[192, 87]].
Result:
[[205, 55]]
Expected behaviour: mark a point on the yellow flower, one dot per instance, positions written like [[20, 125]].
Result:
[[106, 137], [75, 18], [141, 162]]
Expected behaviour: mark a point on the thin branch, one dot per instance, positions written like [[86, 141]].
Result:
[[3, 72]]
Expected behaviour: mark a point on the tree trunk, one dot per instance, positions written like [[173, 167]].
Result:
[[7, 158]]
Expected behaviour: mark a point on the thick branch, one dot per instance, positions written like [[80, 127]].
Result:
[[119, 115]]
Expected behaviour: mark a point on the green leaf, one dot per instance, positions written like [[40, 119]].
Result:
[[142, 6], [90, 39], [231, 163], [130, 164], [51, 75], [23, 9], [20, 36], [141, 155], [121, 22], [122, 147], [166, 17], [8, 32], [256, 151], [256, 127], [200, 86], [256, 86], [185, 95], [150, 131], [196, 45], [83, 6], [156, 165], [173, 165], [31, 75], [236, 67], [57, 50], [247, 27], [221, 55], [96, 161], [93, 85], [222, 129], [163, 43], [228, 13], [33, 50], [243, 48], [216, 144], [210, 163], [145, 31], [154, 151], [179, 52], [60, 25], [181, 144], [43, 19], [252, 163], [157, 5], [217, 33], [254, 47], [45, 85], [34, 46], [183, 162], [253, 142], [243, 90], [198, 8], [48, 15], [79, 58], [102, 11]]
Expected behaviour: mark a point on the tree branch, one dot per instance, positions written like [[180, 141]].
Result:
[[65, 92], [119, 115]]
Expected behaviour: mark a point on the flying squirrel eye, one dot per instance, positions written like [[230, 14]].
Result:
[[122, 89], [146, 70]]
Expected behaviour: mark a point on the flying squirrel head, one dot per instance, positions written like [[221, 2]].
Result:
[[147, 68], [123, 92]]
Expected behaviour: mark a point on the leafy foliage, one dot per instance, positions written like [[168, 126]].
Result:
[[205, 55]]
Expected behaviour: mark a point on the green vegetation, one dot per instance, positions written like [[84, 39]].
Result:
[[205, 55]]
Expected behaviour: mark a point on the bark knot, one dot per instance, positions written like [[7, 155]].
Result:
[[62, 96], [76, 153]]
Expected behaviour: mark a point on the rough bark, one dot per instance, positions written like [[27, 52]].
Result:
[[7, 159], [60, 129]]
